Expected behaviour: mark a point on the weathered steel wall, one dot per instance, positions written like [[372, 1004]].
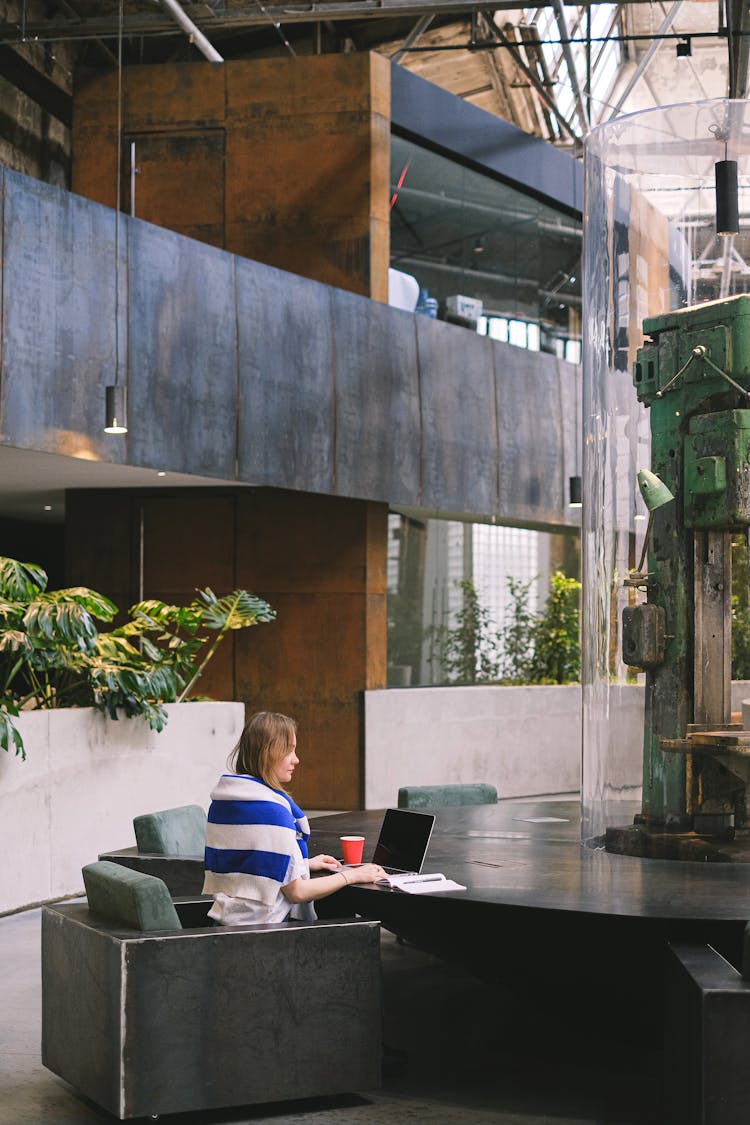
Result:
[[243, 372], [282, 160]]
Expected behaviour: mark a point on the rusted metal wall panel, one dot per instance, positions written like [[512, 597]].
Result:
[[239, 371], [377, 399], [58, 319], [536, 412], [459, 433], [183, 361], [286, 419], [282, 160]]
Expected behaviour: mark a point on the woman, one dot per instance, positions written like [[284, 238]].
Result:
[[256, 838]]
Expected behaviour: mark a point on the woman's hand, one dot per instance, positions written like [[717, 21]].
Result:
[[324, 863], [305, 890], [367, 873]]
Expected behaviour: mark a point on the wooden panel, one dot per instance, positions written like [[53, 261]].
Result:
[[291, 542], [319, 561], [188, 542], [311, 663], [100, 551]]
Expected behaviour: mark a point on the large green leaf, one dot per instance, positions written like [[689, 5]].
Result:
[[55, 623], [14, 640], [233, 611], [10, 736], [21, 581], [154, 614], [93, 602]]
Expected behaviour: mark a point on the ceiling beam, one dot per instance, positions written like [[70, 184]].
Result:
[[234, 20], [645, 62], [413, 37]]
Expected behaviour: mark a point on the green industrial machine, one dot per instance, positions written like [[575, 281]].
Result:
[[693, 373]]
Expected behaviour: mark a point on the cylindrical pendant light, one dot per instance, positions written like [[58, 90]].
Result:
[[727, 200], [116, 412], [575, 492]]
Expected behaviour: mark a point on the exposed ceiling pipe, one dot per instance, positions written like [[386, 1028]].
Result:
[[562, 26], [193, 32]]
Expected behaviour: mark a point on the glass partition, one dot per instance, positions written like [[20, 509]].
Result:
[[483, 253], [666, 356], [463, 597]]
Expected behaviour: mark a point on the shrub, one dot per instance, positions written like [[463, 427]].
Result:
[[52, 653]]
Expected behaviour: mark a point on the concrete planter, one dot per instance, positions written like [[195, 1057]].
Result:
[[526, 741], [523, 740], [85, 778]]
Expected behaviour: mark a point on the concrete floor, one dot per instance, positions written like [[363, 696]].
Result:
[[467, 1063]]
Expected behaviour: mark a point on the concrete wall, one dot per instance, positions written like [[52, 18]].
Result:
[[524, 740], [85, 778]]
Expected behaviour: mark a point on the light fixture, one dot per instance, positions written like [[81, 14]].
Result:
[[479, 246], [655, 495], [575, 492], [115, 395], [653, 490], [727, 200], [116, 412], [725, 173], [684, 48]]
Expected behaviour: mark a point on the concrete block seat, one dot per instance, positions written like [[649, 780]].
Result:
[[707, 1035], [169, 845], [147, 1009], [443, 796]]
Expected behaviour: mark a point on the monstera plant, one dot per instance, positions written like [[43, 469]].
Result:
[[53, 654]]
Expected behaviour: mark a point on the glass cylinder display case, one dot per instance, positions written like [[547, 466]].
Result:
[[666, 353]]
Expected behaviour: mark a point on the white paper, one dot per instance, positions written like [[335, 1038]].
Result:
[[420, 884]]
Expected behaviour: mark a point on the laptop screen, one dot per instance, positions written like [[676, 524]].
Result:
[[403, 840]]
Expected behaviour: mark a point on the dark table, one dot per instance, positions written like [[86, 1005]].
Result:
[[546, 915]]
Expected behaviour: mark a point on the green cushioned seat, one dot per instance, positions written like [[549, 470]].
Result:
[[179, 831], [443, 796], [129, 897]]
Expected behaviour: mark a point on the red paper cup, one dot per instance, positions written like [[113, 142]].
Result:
[[352, 848]]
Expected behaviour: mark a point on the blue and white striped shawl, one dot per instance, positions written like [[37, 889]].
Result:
[[253, 834]]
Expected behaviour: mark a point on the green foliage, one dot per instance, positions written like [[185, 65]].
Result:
[[533, 649], [517, 638], [52, 653], [405, 630], [740, 609], [468, 651], [556, 636]]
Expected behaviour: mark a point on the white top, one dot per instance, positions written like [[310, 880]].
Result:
[[246, 911]]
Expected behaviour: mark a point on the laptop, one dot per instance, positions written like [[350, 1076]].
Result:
[[403, 840]]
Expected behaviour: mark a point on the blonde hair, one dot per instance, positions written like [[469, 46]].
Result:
[[266, 739]]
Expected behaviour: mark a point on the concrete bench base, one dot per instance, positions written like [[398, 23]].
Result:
[[183, 874], [206, 1017], [707, 1029]]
